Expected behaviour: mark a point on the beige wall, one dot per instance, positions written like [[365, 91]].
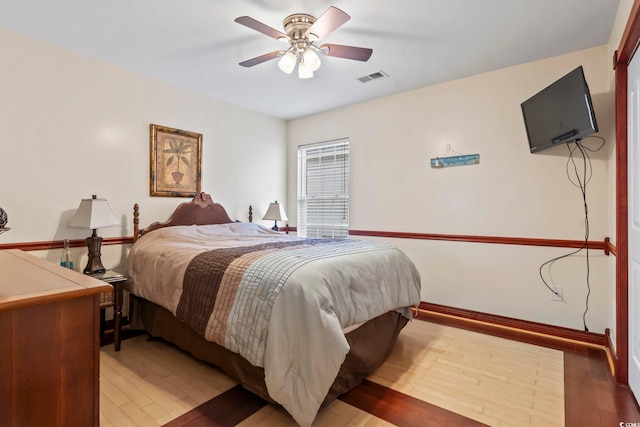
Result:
[[510, 193], [73, 126]]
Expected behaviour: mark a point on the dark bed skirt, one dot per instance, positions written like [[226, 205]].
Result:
[[370, 345]]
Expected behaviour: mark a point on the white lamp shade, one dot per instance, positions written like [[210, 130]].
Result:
[[304, 72], [311, 59], [94, 213], [288, 62], [275, 212]]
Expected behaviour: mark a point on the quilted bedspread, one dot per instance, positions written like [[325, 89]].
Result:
[[279, 301]]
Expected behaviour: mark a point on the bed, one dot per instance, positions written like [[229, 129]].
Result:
[[296, 321]]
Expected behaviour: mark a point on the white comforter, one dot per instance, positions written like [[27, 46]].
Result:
[[305, 344]]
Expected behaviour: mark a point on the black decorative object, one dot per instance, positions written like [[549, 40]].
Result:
[[4, 218]]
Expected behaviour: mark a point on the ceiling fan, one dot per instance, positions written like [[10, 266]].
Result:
[[302, 32]]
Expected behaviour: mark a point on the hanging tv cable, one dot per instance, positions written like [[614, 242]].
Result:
[[580, 182]]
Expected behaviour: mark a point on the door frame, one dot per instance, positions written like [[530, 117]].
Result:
[[627, 47]]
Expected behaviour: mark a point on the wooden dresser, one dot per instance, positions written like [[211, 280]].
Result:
[[49, 343]]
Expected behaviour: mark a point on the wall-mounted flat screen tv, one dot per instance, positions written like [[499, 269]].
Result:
[[560, 113]]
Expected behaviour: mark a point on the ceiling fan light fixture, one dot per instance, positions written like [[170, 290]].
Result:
[[301, 31], [288, 62], [304, 72], [311, 59]]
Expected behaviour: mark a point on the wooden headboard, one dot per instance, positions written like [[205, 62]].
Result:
[[200, 211]]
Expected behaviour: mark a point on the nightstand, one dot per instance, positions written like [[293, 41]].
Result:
[[112, 299]]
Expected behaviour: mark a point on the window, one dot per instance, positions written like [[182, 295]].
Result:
[[323, 189]]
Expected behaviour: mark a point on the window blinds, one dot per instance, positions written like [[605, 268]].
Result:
[[323, 190]]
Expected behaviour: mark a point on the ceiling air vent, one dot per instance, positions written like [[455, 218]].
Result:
[[373, 76]]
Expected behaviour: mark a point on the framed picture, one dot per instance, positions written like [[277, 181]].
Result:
[[176, 162]]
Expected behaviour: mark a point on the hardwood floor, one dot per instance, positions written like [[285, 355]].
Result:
[[401, 409], [592, 396], [437, 375]]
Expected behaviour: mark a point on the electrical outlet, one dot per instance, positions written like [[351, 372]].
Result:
[[558, 295]]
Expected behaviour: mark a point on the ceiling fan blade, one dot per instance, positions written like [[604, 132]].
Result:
[[260, 27], [262, 58], [331, 19], [348, 52]]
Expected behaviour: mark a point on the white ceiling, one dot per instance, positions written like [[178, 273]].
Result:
[[196, 44]]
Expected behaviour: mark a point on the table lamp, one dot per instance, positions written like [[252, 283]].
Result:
[[275, 213], [92, 214]]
